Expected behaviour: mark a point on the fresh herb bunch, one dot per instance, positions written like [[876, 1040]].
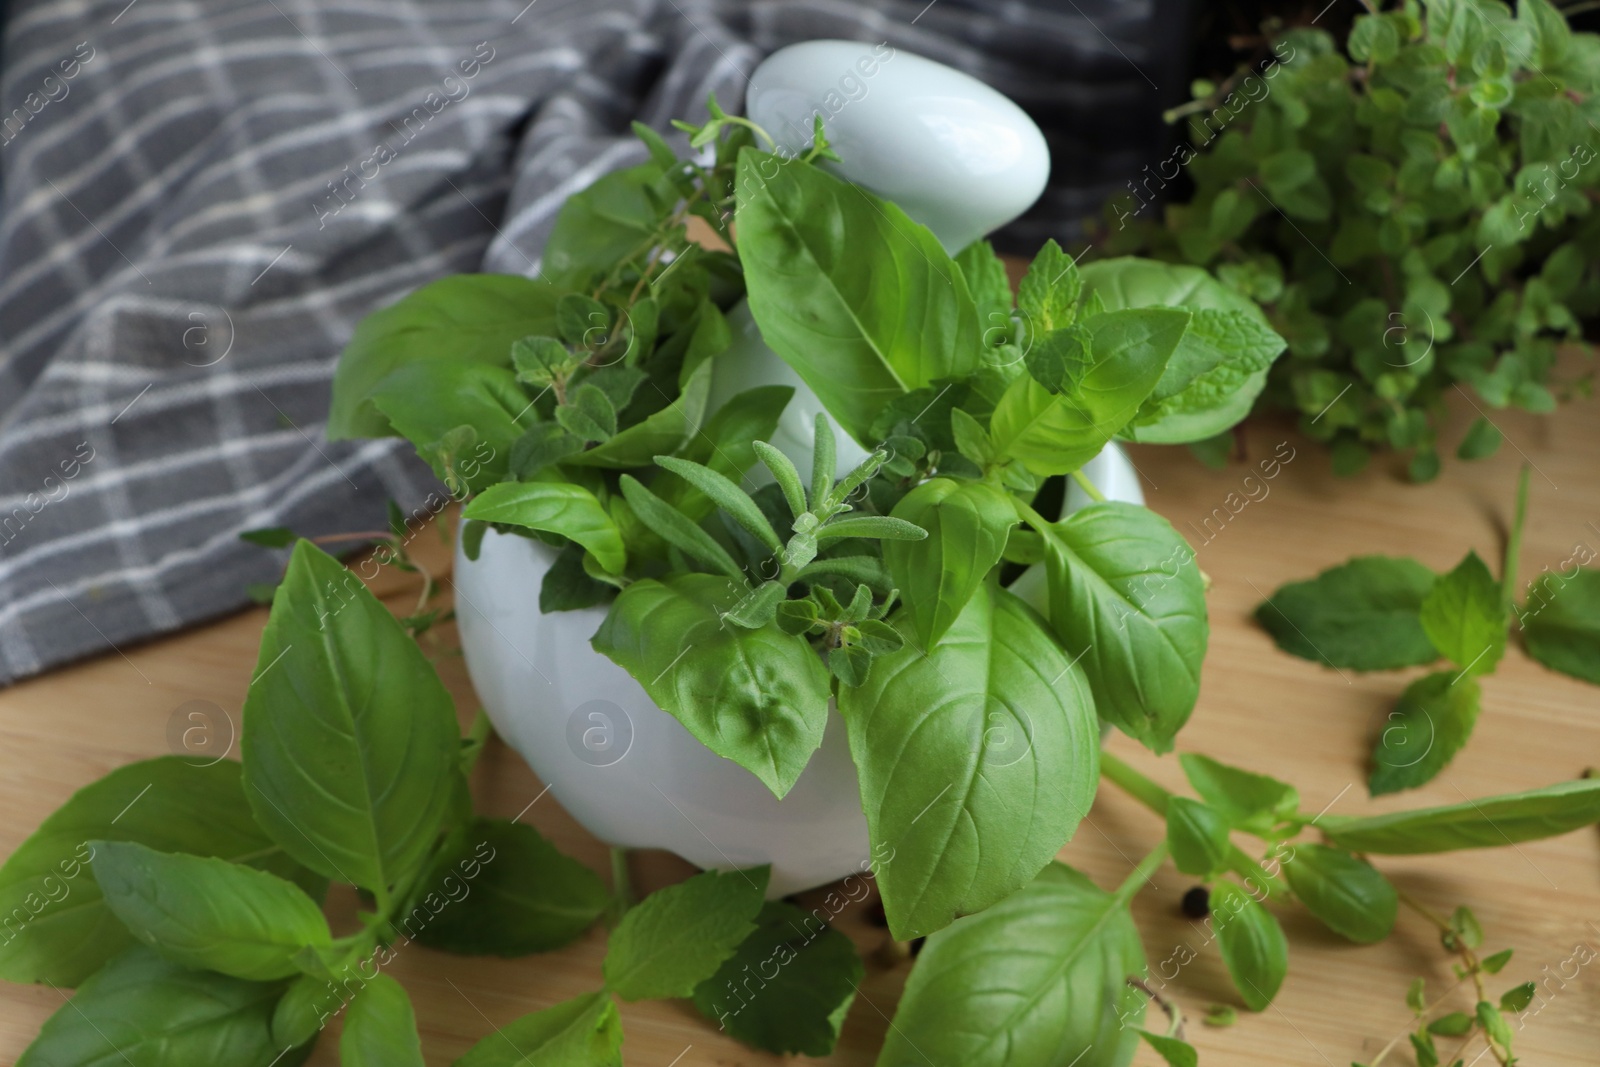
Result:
[[1377, 613], [1413, 210]]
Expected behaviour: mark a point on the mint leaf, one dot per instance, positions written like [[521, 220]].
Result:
[[350, 740], [207, 913], [584, 1031], [1429, 725], [678, 937], [1247, 800], [1197, 836], [991, 290], [814, 972], [167, 804], [1252, 943], [554, 507], [977, 758], [1048, 294], [967, 524], [380, 1029], [1464, 618], [1561, 623], [1348, 894], [1038, 978], [521, 894], [1364, 615], [142, 1009], [757, 697]]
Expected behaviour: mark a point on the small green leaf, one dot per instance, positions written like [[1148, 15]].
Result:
[[808, 973], [1221, 1016], [1517, 998], [1454, 1024], [1428, 726], [967, 525], [1346, 893], [1048, 294], [1364, 615], [678, 937], [585, 1031], [1496, 963], [269, 537], [874, 527], [677, 529], [727, 495], [207, 913], [554, 507], [380, 1029], [1177, 1053], [1197, 836], [1252, 943], [1465, 928], [1464, 617], [1249, 801], [1482, 440], [589, 414], [1561, 623], [785, 474], [1416, 996]]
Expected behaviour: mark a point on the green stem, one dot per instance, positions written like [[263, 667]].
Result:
[[1141, 874], [477, 736], [1089, 487], [621, 884], [1508, 572]]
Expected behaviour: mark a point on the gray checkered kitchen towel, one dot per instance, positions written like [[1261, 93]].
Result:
[[200, 198]]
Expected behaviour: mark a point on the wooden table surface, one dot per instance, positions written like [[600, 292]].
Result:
[[1258, 707]]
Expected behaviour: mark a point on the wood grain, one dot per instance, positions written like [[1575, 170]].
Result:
[[1258, 708]]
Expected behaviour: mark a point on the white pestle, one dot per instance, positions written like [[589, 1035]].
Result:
[[958, 156]]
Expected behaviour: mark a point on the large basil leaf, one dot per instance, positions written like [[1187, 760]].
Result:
[[380, 1029], [976, 758], [350, 740], [1250, 801], [554, 507], [1429, 725], [757, 697], [1128, 602], [677, 937], [602, 225], [503, 891], [1220, 366], [860, 300], [967, 524], [1252, 944], [56, 924], [462, 319], [207, 913], [1054, 433], [725, 444], [144, 1011], [583, 1032], [1363, 614], [808, 975], [1562, 624], [1346, 893], [426, 402], [1465, 618], [1487, 823], [1040, 977]]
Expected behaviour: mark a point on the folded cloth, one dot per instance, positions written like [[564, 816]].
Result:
[[201, 200]]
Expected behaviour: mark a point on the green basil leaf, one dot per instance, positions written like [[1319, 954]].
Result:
[[350, 739], [1197, 836], [724, 444], [607, 224], [305, 1008], [1464, 617], [1561, 620], [380, 1029], [585, 1031], [1428, 726], [503, 890], [1252, 943], [1040, 977], [207, 913], [677, 937], [806, 972], [1249, 801], [554, 507], [1347, 894], [977, 758], [1363, 614], [860, 300], [1176, 1052], [144, 1011], [1057, 433], [461, 319], [1486, 823], [567, 586], [1127, 597], [757, 697], [426, 401], [57, 926], [967, 524]]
